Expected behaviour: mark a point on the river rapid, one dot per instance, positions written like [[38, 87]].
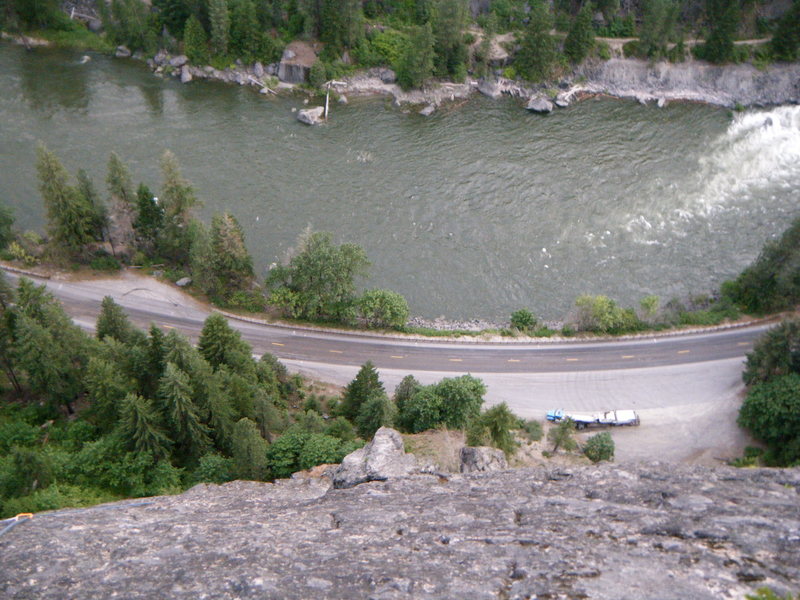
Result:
[[476, 211]]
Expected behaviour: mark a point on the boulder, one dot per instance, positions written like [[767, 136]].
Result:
[[178, 61], [382, 458], [311, 116], [388, 76], [183, 281], [428, 110], [539, 104], [490, 88], [122, 52], [186, 75], [481, 459]]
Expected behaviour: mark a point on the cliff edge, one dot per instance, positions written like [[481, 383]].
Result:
[[648, 531]]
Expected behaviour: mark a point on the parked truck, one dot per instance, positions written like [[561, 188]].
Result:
[[582, 420]]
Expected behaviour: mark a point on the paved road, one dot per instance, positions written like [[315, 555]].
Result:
[[687, 388]]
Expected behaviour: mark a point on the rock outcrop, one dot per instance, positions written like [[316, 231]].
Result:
[[380, 459], [651, 531], [482, 459], [311, 116]]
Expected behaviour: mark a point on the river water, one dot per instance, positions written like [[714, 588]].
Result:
[[476, 211]]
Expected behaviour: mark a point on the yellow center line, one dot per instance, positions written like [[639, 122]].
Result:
[[573, 360], [335, 351], [683, 351], [394, 356], [277, 344], [456, 359], [627, 356], [513, 360]]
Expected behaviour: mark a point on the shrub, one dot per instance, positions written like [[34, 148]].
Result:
[[599, 447], [523, 319]]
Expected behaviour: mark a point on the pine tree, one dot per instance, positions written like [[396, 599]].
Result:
[[231, 267], [580, 38], [119, 183], [416, 61], [181, 413], [219, 17], [140, 427], [450, 19], [91, 199], [195, 41], [220, 344], [106, 386], [362, 388], [249, 451], [723, 18], [376, 412], [537, 55], [70, 219], [114, 323], [150, 215]]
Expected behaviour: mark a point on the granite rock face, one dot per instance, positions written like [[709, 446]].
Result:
[[380, 459], [650, 531], [482, 459]]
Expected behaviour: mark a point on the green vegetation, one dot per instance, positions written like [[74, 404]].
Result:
[[771, 410], [599, 447]]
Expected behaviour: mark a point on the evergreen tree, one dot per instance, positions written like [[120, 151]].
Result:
[[658, 26], [376, 412], [450, 19], [785, 44], [113, 322], [249, 452], [366, 385], [245, 34], [220, 26], [229, 267], [177, 200], [71, 220], [723, 18], [106, 386], [140, 427], [181, 413], [150, 215], [195, 41], [220, 344], [119, 183], [537, 55], [6, 224], [90, 198], [580, 38]]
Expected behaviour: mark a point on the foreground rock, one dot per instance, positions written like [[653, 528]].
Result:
[[595, 532], [482, 459], [382, 458], [311, 116]]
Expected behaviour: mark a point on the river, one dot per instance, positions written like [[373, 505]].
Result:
[[476, 211]]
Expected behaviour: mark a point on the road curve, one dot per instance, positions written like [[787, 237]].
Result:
[[148, 301]]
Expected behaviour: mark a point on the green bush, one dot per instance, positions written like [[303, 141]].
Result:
[[523, 319], [599, 447]]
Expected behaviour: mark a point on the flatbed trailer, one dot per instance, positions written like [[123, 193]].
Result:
[[614, 418]]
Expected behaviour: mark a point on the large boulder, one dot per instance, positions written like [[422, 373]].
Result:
[[481, 459], [311, 116], [539, 104], [490, 88], [382, 458]]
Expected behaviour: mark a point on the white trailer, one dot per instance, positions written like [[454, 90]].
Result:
[[609, 417]]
